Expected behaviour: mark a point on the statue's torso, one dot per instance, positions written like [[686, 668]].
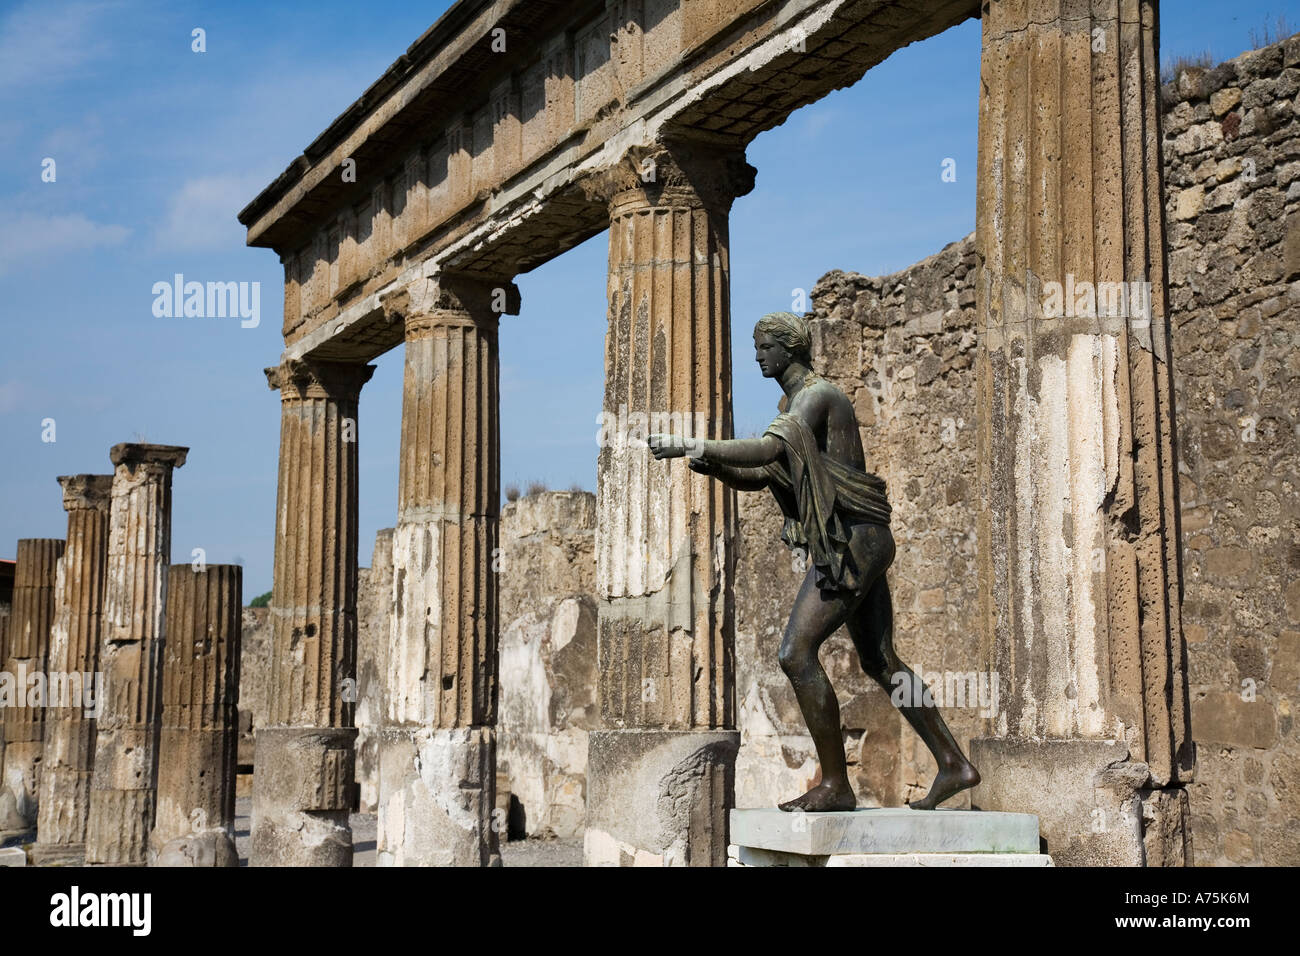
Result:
[[830, 417]]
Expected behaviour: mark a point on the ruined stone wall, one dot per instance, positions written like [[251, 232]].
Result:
[[547, 659], [374, 621], [1232, 163]]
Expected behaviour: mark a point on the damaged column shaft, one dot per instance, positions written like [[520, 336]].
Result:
[[34, 603], [1078, 534], [661, 772], [303, 780], [195, 822], [437, 760], [133, 634], [69, 758]]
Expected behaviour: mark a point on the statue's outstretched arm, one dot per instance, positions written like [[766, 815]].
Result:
[[742, 452], [742, 479]]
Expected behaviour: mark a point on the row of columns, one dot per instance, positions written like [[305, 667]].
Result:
[[137, 732], [1076, 461], [667, 676]]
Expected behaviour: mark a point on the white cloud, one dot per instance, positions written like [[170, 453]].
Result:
[[42, 41], [31, 239], [201, 215]]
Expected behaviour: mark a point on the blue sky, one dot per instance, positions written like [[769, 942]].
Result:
[[157, 148]]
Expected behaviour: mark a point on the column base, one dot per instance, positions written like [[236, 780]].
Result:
[[659, 797], [1094, 802], [303, 791], [57, 854], [20, 785], [117, 827], [64, 807], [437, 793], [211, 848]]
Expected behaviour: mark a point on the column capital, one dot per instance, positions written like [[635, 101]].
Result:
[[673, 172], [452, 298], [303, 378], [86, 492], [140, 453]]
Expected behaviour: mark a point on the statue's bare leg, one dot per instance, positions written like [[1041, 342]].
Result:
[[815, 617], [872, 630]]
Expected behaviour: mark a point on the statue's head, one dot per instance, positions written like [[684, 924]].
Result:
[[780, 339]]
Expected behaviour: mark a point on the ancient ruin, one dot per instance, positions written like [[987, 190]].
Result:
[[124, 786], [194, 821], [27, 644], [69, 757], [1083, 412]]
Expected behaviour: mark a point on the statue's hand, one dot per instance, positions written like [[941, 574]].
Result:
[[666, 446], [701, 465]]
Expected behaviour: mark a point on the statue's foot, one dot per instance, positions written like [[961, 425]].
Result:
[[948, 783], [824, 798]]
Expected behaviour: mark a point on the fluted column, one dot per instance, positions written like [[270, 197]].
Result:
[[1080, 575], [69, 758], [664, 534], [437, 760], [28, 644], [133, 636], [303, 781], [195, 821]]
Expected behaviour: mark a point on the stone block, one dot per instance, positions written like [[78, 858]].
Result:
[[656, 797], [885, 830]]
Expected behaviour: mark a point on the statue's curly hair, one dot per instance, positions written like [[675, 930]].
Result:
[[791, 331]]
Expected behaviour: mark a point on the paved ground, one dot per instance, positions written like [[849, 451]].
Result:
[[517, 853]]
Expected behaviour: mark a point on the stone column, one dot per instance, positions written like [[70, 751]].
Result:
[[303, 782], [4, 661], [195, 821], [69, 759], [133, 634], [28, 644], [1080, 573], [661, 772], [437, 761]]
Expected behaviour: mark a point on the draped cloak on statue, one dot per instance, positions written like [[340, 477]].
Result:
[[822, 499]]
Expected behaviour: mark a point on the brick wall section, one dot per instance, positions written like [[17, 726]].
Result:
[[1232, 164]]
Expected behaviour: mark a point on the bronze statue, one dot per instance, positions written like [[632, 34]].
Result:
[[811, 457]]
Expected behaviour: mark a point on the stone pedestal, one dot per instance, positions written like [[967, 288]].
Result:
[[195, 820], [36, 586], [1079, 575], [125, 776], [437, 760], [437, 796], [659, 797], [302, 820], [664, 534], [69, 758], [305, 793], [892, 836]]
